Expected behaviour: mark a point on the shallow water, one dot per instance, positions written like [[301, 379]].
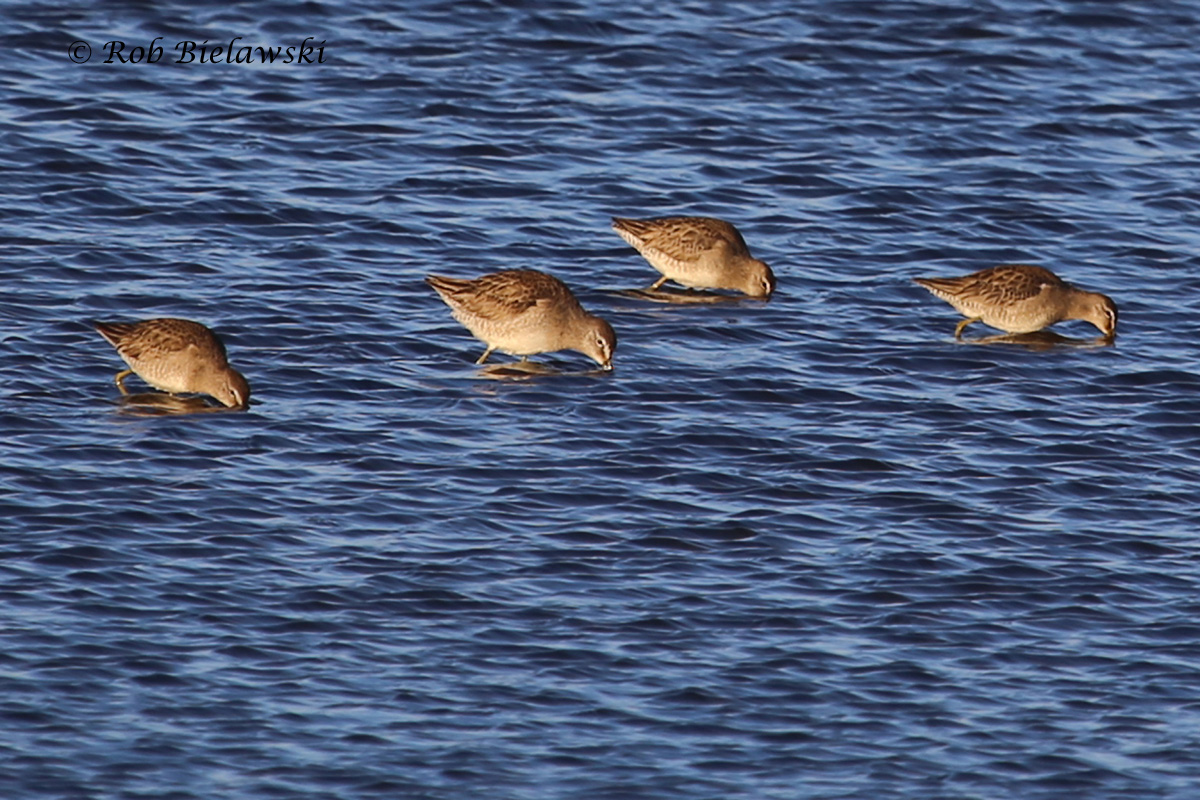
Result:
[[806, 548]]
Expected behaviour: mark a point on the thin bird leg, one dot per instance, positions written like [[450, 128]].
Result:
[[485, 355], [654, 286], [958, 331], [120, 380]]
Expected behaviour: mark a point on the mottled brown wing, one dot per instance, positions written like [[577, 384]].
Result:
[[114, 332], [1007, 283], [503, 295], [1011, 283], [684, 239], [133, 340]]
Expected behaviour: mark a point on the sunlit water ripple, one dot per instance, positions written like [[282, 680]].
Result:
[[807, 548]]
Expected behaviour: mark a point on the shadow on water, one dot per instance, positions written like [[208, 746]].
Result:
[[1041, 340]]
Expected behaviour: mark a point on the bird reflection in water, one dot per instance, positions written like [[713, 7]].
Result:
[[682, 297], [160, 404], [1041, 340], [528, 370]]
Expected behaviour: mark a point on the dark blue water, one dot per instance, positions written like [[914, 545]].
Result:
[[810, 548]]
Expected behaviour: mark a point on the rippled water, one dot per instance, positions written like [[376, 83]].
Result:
[[807, 548]]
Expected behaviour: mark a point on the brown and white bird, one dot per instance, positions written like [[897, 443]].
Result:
[[1020, 298], [698, 252], [525, 312], [177, 356]]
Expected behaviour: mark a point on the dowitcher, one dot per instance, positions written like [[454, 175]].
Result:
[[1020, 298], [177, 356], [698, 252], [525, 312]]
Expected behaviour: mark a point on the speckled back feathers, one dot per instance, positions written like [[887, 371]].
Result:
[[136, 341], [504, 295], [1007, 283], [682, 238]]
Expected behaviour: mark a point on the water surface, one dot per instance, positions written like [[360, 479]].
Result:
[[806, 548]]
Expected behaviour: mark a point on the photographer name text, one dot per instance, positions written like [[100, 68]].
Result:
[[187, 51]]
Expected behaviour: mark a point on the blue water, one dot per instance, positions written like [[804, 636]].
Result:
[[812, 548]]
